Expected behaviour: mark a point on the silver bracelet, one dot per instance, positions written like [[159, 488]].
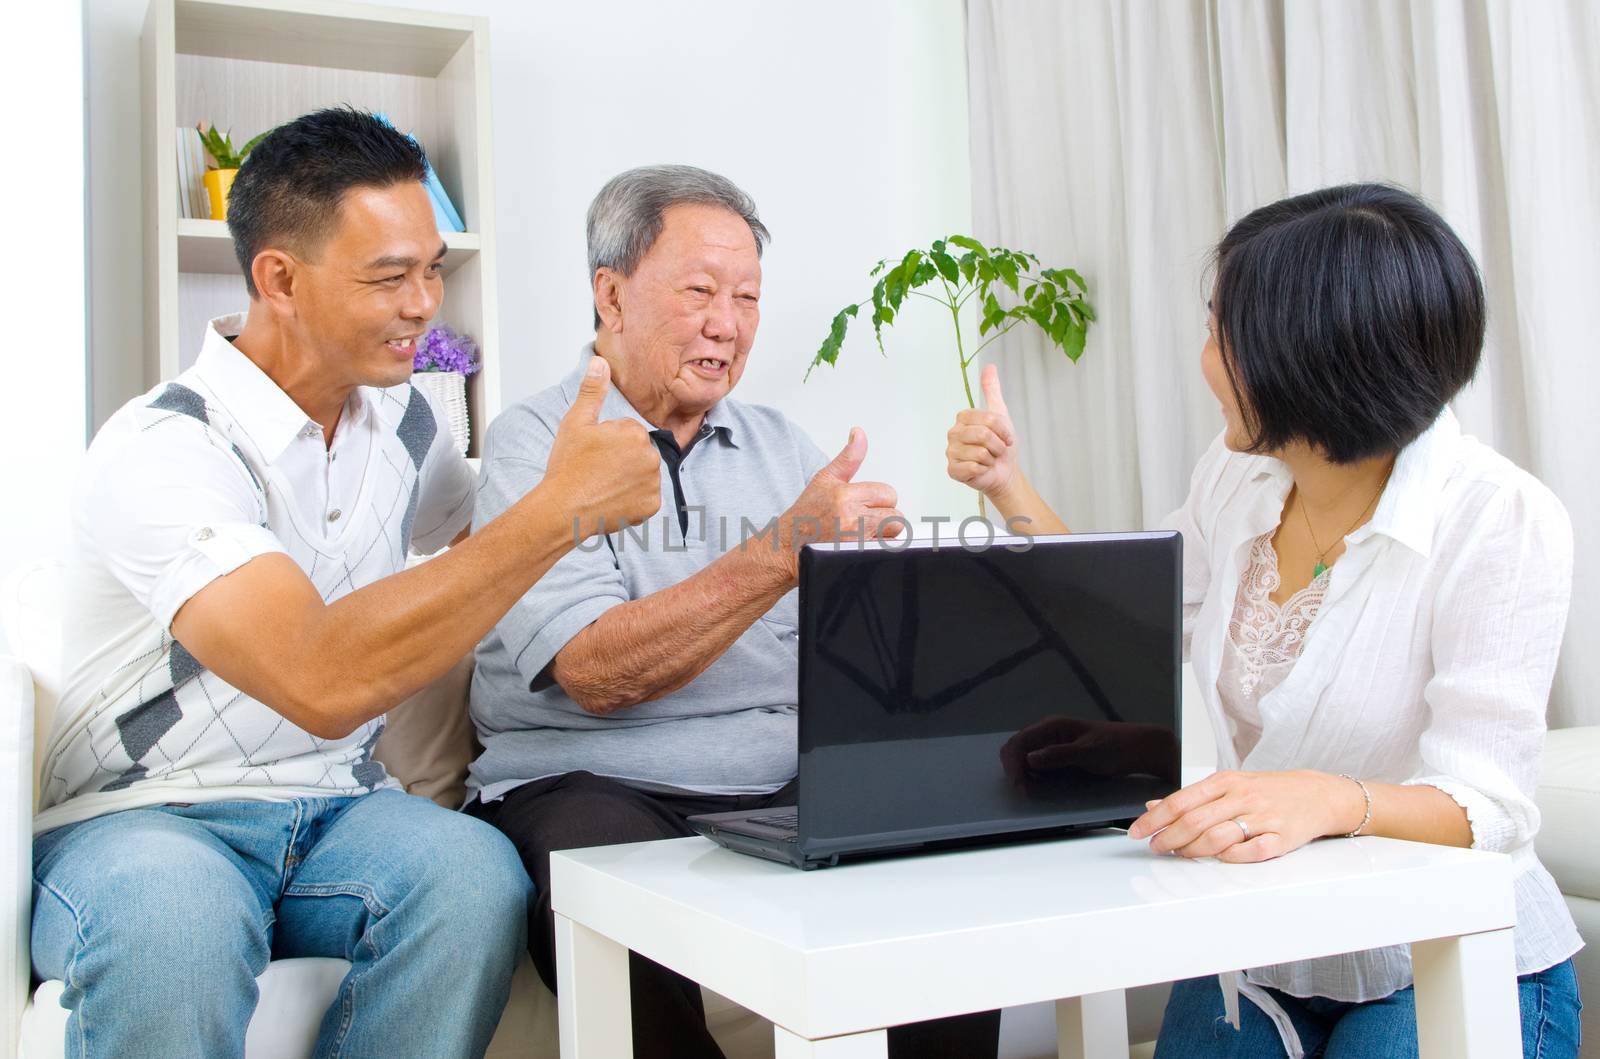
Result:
[[1367, 819]]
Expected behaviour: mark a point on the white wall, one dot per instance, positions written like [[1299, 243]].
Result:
[[42, 430], [847, 123]]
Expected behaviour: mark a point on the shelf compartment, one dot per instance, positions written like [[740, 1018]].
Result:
[[335, 35]]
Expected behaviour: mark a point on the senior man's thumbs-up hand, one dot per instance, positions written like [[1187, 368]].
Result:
[[836, 507], [607, 471]]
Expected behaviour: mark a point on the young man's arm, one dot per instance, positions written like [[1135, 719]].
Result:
[[329, 668]]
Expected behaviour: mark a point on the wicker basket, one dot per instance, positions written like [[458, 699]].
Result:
[[449, 388]]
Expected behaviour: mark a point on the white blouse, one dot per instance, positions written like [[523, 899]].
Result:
[[1429, 662]]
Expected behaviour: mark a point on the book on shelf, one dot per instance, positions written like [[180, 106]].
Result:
[[192, 198], [185, 202], [444, 211], [198, 166]]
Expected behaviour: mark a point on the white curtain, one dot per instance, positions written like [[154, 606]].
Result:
[[1122, 138]]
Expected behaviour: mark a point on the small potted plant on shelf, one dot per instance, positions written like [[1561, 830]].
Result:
[[225, 166], [444, 360]]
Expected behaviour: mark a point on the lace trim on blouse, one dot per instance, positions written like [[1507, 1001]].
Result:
[[1266, 634]]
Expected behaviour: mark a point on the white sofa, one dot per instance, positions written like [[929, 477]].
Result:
[[427, 745], [1569, 845]]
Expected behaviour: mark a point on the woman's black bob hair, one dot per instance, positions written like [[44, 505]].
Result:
[[1347, 318]]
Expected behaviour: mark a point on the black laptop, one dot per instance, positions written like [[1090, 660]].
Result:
[[953, 695]]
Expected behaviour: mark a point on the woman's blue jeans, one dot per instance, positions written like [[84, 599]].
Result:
[[1194, 1026]]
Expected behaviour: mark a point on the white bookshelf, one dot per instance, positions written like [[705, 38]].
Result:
[[250, 65]]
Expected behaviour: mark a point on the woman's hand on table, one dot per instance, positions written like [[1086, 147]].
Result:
[[1280, 812]]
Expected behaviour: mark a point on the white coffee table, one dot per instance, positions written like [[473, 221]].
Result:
[[832, 957]]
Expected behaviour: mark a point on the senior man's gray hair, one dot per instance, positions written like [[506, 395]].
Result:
[[625, 218]]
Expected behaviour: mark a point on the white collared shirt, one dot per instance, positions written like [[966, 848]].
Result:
[[184, 485], [1429, 662]]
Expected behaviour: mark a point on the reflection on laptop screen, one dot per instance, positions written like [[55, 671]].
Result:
[[988, 691]]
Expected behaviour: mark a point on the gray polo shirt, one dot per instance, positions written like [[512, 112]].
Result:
[[732, 730]]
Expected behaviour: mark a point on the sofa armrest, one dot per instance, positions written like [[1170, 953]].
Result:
[[16, 845], [1569, 804]]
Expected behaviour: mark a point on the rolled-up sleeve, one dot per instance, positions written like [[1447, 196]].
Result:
[[573, 593], [171, 511], [1498, 620]]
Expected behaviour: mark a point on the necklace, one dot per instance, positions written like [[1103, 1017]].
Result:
[[1321, 567]]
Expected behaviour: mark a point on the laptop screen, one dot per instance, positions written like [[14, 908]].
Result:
[[951, 692]]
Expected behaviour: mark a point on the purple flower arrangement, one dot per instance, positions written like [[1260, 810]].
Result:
[[443, 349]]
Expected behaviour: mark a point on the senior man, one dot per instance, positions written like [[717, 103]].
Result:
[[239, 619], [651, 675]]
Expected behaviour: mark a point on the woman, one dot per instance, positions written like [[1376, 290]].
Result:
[[1373, 605]]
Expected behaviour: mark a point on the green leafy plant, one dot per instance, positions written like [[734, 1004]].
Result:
[[961, 269], [219, 145]]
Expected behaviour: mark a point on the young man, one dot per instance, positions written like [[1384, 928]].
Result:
[[239, 619]]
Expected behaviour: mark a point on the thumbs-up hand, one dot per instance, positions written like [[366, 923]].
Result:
[[982, 449], [836, 507], [845, 465], [598, 471]]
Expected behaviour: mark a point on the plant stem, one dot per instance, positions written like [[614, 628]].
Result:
[[961, 355], [991, 338]]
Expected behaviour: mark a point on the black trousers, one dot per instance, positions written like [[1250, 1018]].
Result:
[[579, 810]]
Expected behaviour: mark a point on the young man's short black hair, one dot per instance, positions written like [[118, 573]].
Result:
[[1347, 318], [291, 185]]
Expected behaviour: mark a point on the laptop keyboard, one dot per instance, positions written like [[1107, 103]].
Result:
[[780, 819]]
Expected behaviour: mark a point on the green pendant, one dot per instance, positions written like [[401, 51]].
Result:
[[1319, 569]]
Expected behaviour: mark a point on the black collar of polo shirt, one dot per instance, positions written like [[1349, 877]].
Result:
[[673, 457]]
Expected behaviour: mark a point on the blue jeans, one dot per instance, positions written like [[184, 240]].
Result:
[[1193, 1025], [159, 920]]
